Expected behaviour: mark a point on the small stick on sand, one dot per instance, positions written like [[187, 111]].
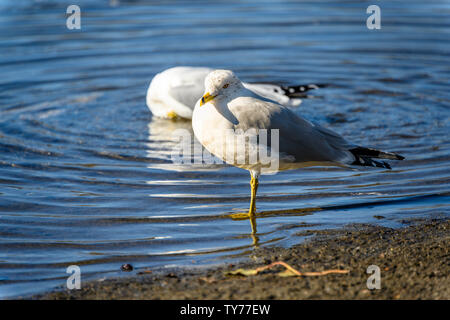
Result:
[[298, 273]]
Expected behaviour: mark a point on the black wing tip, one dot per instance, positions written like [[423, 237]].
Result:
[[363, 157], [292, 91], [374, 153], [368, 162]]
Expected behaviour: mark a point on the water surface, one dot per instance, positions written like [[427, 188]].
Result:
[[85, 171]]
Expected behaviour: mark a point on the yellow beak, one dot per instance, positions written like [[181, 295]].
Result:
[[206, 98]]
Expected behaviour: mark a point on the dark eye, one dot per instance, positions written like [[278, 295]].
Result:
[[225, 85]]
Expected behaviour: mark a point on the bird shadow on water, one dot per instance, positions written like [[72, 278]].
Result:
[[269, 213], [309, 211]]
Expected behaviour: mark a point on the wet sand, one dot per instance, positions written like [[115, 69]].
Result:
[[414, 263]]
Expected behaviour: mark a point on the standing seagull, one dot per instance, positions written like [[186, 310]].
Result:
[[229, 110], [174, 92]]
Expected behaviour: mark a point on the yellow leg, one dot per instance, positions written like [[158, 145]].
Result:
[[251, 212]]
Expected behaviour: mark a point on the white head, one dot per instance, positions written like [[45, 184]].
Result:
[[221, 85]]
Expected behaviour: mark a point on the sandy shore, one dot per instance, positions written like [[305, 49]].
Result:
[[414, 263]]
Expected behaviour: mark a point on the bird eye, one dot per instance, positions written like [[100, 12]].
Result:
[[225, 85]]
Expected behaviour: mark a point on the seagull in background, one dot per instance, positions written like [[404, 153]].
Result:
[[174, 92]]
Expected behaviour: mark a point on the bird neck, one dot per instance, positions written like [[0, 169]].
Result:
[[221, 106]]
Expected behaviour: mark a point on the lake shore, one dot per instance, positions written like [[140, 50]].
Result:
[[413, 262]]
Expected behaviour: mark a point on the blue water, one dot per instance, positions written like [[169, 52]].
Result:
[[85, 171]]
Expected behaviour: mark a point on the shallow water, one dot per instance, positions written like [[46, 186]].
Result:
[[85, 172]]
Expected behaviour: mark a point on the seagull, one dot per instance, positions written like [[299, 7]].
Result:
[[174, 92], [228, 110]]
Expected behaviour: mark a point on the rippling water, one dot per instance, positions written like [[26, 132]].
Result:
[[85, 172]]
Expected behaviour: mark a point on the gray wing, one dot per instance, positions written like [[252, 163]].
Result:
[[299, 138]]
